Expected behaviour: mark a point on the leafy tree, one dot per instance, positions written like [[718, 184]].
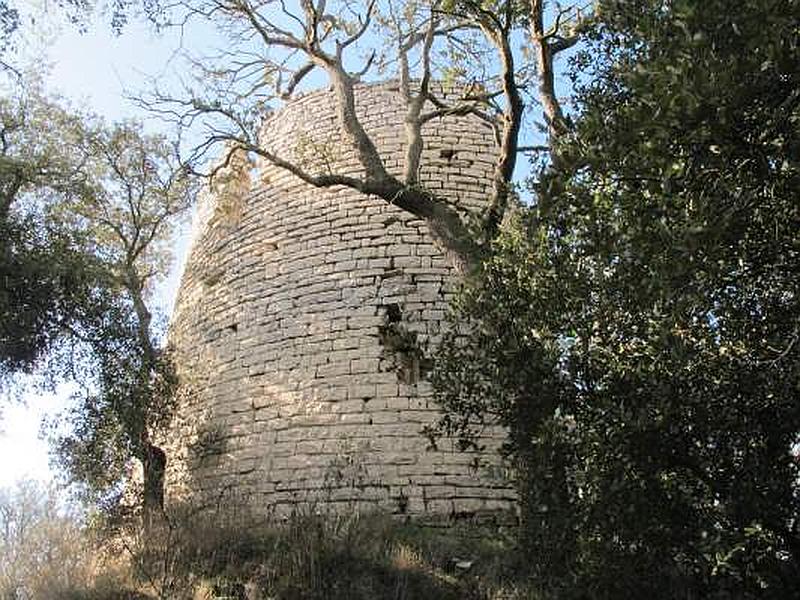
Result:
[[139, 193], [47, 277], [637, 329], [89, 211]]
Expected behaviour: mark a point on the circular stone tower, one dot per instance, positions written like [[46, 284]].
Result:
[[304, 321]]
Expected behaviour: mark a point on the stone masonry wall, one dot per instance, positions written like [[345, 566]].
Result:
[[303, 324]]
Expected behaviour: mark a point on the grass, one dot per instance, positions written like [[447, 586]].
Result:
[[232, 553], [314, 554]]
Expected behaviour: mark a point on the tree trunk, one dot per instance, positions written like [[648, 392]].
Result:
[[143, 316], [154, 459], [154, 465]]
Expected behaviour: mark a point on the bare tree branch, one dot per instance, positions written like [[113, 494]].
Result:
[[554, 115], [277, 39], [298, 76]]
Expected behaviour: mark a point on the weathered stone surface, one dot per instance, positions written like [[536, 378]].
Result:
[[295, 385]]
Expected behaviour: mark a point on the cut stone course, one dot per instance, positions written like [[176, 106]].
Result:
[[304, 322]]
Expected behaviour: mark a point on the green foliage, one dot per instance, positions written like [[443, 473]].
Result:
[[89, 211], [111, 422], [50, 283], [138, 195], [637, 329]]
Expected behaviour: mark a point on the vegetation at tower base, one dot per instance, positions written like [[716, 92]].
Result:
[[53, 552], [637, 328], [88, 210]]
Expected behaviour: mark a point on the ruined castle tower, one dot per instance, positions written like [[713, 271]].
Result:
[[304, 320]]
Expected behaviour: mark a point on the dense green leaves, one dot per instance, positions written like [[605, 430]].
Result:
[[46, 287], [88, 211], [49, 280], [637, 330]]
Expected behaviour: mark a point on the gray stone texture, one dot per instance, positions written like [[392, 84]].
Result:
[[303, 324]]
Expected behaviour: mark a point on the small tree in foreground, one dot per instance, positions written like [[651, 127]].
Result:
[[89, 211], [44, 551], [139, 193], [637, 330]]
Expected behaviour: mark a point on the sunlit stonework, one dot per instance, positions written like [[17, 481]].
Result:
[[304, 324]]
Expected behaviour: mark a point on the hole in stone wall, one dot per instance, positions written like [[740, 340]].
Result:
[[210, 441], [402, 503], [389, 273], [393, 313], [211, 277], [401, 345], [447, 153]]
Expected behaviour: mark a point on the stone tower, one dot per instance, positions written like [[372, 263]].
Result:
[[303, 323]]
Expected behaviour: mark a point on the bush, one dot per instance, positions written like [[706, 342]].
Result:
[[636, 330], [45, 551]]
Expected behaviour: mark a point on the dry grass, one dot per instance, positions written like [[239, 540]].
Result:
[[314, 554], [318, 554]]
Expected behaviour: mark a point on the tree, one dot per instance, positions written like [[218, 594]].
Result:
[[44, 550], [48, 280], [89, 211], [636, 330], [139, 193], [272, 48]]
